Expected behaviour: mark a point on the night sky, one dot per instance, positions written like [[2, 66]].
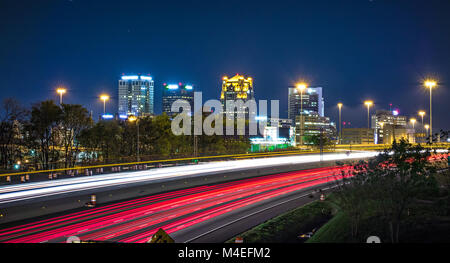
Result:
[[355, 50]]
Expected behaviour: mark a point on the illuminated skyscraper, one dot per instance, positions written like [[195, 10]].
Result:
[[236, 88], [173, 92], [136, 95], [312, 102]]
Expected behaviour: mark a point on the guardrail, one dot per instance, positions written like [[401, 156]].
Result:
[[77, 171]]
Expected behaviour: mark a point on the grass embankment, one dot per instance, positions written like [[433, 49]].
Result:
[[425, 222], [287, 227], [334, 231]]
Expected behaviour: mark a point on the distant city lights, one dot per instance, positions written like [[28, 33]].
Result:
[[107, 116], [172, 86]]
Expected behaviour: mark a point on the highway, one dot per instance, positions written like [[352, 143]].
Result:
[[11, 194], [188, 215]]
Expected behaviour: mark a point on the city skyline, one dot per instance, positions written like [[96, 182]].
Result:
[[358, 64], [218, 122]]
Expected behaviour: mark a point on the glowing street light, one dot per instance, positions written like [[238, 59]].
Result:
[[421, 114], [133, 118], [104, 98], [413, 121], [61, 91], [431, 84], [426, 128], [340, 122], [301, 87], [368, 103]]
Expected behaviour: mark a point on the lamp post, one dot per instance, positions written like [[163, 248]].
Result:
[[431, 84], [426, 128], [61, 91], [340, 122], [413, 121], [132, 118], [368, 103], [301, 87], [421, 114], [104, 98]]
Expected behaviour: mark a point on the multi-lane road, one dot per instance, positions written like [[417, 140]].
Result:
[[187, 214], [12, 194]]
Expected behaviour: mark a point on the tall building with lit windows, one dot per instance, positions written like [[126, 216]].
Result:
[[312, 102], [174, 92], [236, 88], [136, 95]]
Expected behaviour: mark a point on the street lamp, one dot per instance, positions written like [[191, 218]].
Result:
[[60, 91], [340, 122], [301, 87], [413, 121], [431, 84], [421, 114], [133, 118], [104, 98], [426, 128], [368, 103]]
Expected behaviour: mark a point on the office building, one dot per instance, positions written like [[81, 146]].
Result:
[[386, 123], [237, 88], [174, 92], [136, 95], [357, 136], [312, 99], [313, 124]]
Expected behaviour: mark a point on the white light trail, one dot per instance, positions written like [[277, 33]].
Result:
[[28, 191]]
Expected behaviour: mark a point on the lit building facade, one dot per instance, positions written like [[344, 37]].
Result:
[[312, 102], [357, 136], [174, 92], [313, 124], [388, 134], [236, 88], [385, 124], [279, 136], [136, 95]]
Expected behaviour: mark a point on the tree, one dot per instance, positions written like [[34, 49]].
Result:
[[391, 182], [43, 133], [319, 140], [75, 118], [12, 117]]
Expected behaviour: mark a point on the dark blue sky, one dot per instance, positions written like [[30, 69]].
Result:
[[355, 49]]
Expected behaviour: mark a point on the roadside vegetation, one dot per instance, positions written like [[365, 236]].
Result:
[[288, 227], [48, 136], [403, 195]]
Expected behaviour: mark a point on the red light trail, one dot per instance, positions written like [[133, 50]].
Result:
[[136, 220]]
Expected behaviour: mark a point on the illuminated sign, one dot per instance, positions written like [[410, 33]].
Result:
[[189, 87], [172, 86], [107, 116], [130, 77], [146, 78]]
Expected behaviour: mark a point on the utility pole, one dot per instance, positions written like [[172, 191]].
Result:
[[195, 145], [321, 144]]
